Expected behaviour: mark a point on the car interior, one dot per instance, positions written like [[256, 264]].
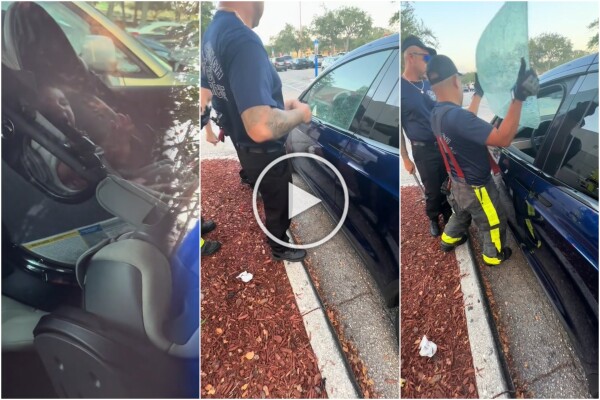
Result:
[[98, 298], [528, 140]]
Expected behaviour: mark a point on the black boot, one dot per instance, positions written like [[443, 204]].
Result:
[[434, 227], [206, 226], [293, 255], [209, 247], [449, 247]]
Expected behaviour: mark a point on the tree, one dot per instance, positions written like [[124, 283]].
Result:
[[207, 9], [327, 29], [592, 44], [286, 40], [410, 25], [355, 23], [549, 50]]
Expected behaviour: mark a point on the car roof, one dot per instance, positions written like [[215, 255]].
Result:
[[573, 67], [386, 42]]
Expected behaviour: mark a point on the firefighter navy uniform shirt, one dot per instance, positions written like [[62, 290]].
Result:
[[415, 108], [237, 70], [466, 136]]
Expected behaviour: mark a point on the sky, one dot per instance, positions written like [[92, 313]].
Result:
[[278, 13], [458, 25]]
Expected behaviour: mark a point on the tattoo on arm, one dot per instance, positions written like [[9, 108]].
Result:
[[276, 122], [281, 122]]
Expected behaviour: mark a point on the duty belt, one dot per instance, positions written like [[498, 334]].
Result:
[[259, 149]]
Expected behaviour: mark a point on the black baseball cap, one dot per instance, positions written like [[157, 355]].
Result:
[[412, 40], [440, 68]]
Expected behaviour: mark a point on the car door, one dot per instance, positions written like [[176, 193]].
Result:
[[335, 100], [371, 170], [556, 201]]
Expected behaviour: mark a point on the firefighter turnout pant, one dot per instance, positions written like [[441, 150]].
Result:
[[482, 205]]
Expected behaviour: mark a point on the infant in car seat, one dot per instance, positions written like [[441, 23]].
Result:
[[113, 132]]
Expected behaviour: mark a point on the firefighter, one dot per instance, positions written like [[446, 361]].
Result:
[[463, 139]]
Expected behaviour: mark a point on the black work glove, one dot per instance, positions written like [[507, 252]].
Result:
[[478, 88], [527, 84]]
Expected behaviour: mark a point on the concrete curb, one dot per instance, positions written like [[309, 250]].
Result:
[[487, 358], [330, 359]]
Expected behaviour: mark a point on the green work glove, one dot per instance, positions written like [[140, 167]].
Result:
[[527, 84], [478, 88]]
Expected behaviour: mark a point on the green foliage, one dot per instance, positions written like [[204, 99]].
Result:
[[355, 23], [549, 50], [592, 44], [468, 77], [327, 29], [207, 10], [410, 25]]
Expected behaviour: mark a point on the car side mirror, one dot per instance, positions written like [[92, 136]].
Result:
[[100, 54]]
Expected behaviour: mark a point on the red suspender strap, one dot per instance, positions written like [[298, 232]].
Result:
[[446, 150], [443, 151]]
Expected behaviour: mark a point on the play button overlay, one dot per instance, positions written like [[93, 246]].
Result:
[[299, 201]]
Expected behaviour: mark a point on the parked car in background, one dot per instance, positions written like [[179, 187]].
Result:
[[300, 63], [288, 61], [154, 30], [551, 173], [355, 126], [327, 61], [280, 64]]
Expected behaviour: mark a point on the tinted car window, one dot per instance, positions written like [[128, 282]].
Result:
[[578, 140], [336, 95], [381, 120]]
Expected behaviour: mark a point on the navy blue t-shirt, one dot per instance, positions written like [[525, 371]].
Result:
[[415, 108], [466, 135], [237, 70]]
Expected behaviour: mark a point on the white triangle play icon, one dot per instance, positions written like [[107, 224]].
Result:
[[299, 200]]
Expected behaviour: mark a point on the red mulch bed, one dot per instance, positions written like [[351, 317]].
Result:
[[431, 304], [253, 340]]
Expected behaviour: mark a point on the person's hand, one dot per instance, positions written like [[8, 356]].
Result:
[[478, 88], [298, 105], [210, 135], [409, 165], [527, 84]]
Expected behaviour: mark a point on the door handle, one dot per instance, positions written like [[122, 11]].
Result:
[[541, 199]]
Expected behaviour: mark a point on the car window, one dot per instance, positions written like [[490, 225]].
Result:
[[577, 143], [336, 96], [77, 29], [381, 120], [549, 101]]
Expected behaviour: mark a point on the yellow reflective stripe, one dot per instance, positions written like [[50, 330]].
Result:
[[491, 214], [530, 209], [449, 239], [530, 227], [495, 236], [201, 242], [491, 260]]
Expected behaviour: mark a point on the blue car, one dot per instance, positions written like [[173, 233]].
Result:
[[355, 126], [552, 175]]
